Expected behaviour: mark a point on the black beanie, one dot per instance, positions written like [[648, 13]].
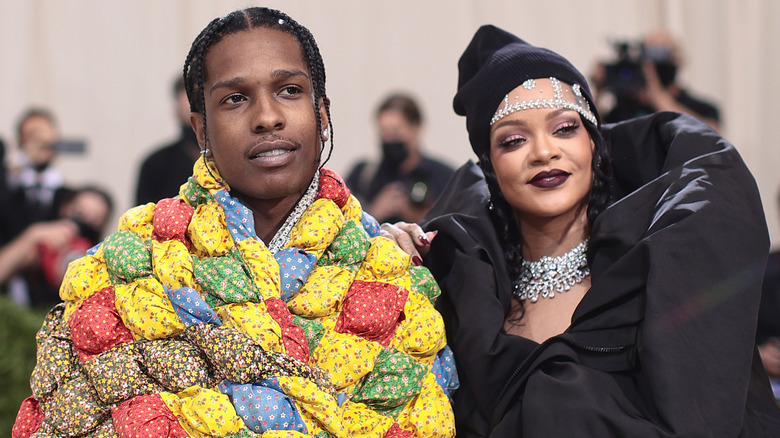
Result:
[[496, 62]]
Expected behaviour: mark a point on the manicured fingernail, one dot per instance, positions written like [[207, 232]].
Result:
[[417, 260], [423, 239]]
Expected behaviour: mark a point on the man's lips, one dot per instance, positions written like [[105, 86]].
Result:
[[273, 152], [274, 146], [549, 179]]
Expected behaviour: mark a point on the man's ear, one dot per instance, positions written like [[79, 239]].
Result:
[[324, 112], [196, 120]]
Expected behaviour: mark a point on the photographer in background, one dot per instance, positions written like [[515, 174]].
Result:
[[32, 179], [33, 263], [403, 186], [643, 80]]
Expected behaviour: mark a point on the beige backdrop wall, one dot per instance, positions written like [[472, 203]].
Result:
[[105, 67]]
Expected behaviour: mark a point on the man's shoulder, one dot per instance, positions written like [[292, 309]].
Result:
[[161, 154], [358, 166], [698, 104], [356, 173], [433, 165]]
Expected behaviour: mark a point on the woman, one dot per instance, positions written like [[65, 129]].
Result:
[[258, 301], [581, 301]]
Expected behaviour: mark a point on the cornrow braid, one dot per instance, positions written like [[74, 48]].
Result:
[[502, 214], [195, 74]]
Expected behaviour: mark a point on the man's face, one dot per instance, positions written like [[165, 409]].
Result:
[[393, 127], [37, 136], [261, 125]]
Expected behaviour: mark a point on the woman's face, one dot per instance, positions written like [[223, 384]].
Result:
[[90, 208], [262, 128], [542, 158]]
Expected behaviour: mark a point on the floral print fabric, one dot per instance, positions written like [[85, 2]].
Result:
[[182, 323]]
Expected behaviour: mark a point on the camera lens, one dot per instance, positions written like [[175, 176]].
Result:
[[419, 192]]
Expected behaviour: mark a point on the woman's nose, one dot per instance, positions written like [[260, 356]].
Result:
[[544, 150]]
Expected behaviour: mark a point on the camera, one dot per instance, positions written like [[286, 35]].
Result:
[[70, 146], [624, 76], [419, 193]]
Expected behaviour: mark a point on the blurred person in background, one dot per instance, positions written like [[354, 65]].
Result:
[[33, 264], [32, 180], [5, 192], [768, 331], [167, 168], [643, 80], [404, 184]]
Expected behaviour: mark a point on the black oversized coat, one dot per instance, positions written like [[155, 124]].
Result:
[[663, 343]]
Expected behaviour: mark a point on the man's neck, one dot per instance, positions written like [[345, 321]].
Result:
[[269, 216], [410, 163]]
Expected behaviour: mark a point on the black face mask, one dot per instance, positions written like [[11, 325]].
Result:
[[40, 167], [667, 72], [394, 153], [87, 231]]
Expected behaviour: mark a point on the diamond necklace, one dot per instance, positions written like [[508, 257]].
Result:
[[282, 236], [549, 275]]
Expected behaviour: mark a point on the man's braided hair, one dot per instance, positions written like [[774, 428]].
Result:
[[195, 73]]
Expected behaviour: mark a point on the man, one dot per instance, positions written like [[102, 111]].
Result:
[[261, 299], [29, 205], [167, 168], [406, 182], [655, 87], [33, 181]]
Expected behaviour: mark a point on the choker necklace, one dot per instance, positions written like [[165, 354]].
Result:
[[282, 236], [549, 275]]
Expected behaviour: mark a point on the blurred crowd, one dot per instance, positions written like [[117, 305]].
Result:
[[44, 222]]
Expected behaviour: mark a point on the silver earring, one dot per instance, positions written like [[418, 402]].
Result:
[[205, 151], [325, 134]]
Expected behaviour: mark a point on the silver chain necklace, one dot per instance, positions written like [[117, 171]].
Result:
[[282, 236], [549, 275]]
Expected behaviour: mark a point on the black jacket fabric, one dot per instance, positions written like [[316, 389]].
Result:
[[164, 171], [662, 345]]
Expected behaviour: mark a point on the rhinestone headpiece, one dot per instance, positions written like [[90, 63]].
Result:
[[580, 104]]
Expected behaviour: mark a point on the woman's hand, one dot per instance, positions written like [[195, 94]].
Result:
[[410, 238]]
